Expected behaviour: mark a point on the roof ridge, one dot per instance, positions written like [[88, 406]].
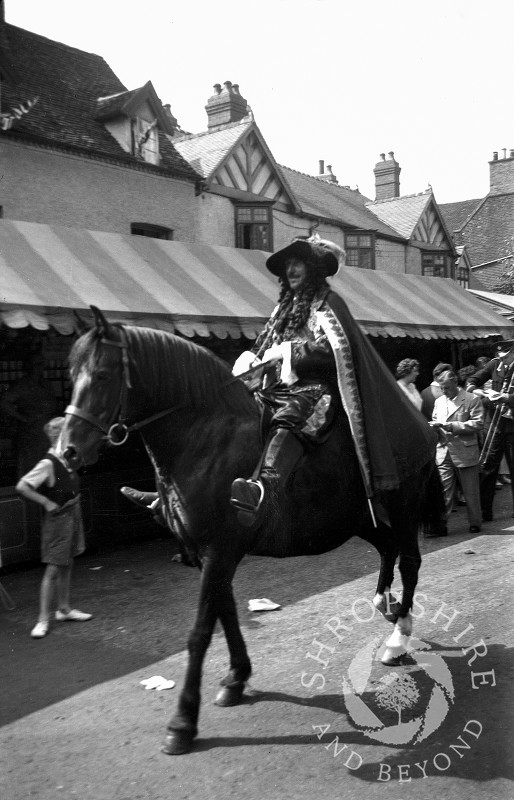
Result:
[[401, 197], [221, 128], [320, 180], [53, 42]]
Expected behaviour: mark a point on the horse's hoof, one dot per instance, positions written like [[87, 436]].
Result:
[[393, 659], [177, 743], [230, 695]]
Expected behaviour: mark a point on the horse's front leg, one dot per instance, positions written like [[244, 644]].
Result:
[[216, 578], [233, 684]]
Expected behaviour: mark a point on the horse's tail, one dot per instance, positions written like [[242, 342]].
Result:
[[433, 512]]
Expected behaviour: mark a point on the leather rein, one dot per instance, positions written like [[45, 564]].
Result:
[[123, 430]]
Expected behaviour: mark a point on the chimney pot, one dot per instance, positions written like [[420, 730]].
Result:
[[391, 155], [512, 154], [383, 156], [505, 152], [225, 106], [495, 155], [321, 167]]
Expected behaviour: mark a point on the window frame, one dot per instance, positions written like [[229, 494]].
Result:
[[363, 251], [239, 225], [149, 150], [152, 231], [436, 268]]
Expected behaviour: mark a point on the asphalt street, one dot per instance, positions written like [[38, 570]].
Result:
[[76, 722]]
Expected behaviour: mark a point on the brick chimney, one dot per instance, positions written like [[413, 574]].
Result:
[[501, 173], [327, 176], [387, 177], [225, 106]]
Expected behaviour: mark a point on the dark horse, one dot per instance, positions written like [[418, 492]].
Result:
[[201, 428]]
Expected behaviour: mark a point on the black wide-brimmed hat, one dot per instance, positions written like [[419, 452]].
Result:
[[326, 257]]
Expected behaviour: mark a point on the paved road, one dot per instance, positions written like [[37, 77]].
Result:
[[76, 723]]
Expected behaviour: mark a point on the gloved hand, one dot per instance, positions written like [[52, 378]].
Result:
[[246, 361]]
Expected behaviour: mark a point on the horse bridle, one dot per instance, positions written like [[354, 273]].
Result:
[[108, 429]]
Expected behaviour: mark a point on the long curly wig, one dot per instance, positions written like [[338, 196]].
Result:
[[293, 309]]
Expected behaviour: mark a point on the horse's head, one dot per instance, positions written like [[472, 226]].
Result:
[[99, 371]]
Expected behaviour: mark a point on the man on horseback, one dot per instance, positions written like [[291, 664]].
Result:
[[301, 389], [320, 361]]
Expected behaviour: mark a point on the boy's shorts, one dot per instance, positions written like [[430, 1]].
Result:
[[62, 536]]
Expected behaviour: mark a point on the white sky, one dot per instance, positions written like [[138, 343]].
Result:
[[326, 79]]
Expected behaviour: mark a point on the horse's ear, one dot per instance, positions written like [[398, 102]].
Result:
[[101, 323], [80, 324]]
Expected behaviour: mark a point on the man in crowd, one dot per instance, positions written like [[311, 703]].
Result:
[[458, 417], [500, 436]]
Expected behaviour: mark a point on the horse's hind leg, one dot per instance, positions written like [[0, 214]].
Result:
[[409, 564], [217, 575], [385, 602]]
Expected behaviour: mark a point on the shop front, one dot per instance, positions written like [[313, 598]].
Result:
[[215, 296]]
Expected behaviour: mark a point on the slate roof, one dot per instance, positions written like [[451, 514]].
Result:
[[319, 198], [456, 214], [402, 214], [206, 151], [489, 232], [69, 83]]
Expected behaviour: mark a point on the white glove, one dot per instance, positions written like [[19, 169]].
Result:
[[246, 361], [276, 351]]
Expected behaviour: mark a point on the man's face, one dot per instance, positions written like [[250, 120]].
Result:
[[296, 273], [449, 387]]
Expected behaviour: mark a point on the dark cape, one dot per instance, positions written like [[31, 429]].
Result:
[[392, 438]]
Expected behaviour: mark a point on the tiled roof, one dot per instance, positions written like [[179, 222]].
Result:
[[402, 213], [489, 275], [489, 233], [456, 214], [205, 151], [69, 83], [331, 201]]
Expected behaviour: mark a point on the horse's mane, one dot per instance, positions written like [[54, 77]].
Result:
[[173, 366]]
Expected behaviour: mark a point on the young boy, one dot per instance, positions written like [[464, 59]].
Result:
[[57, 488]]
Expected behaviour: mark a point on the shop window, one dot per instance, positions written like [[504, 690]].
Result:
[[433, 265], [360, 250], [154, 231], [254, 228]]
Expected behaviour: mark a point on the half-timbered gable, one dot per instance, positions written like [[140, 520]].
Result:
[[418, 219]]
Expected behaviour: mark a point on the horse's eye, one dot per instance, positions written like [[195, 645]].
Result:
[[102, 375]]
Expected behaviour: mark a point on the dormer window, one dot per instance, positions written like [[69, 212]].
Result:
[[145, 138]]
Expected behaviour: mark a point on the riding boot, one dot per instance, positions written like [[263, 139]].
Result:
[[283, 452], [148, 500]]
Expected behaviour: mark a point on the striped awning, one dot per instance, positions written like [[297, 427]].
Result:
[[48, 272]]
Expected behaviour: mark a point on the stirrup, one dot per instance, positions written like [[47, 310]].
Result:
[[244, 500]]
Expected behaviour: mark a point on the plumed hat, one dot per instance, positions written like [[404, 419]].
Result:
[[325, 256]]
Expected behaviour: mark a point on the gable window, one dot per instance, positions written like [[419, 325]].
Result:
[[360, 250], [254, 227], [433, 265], [155, 231], [145, 140], [462, 276]]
